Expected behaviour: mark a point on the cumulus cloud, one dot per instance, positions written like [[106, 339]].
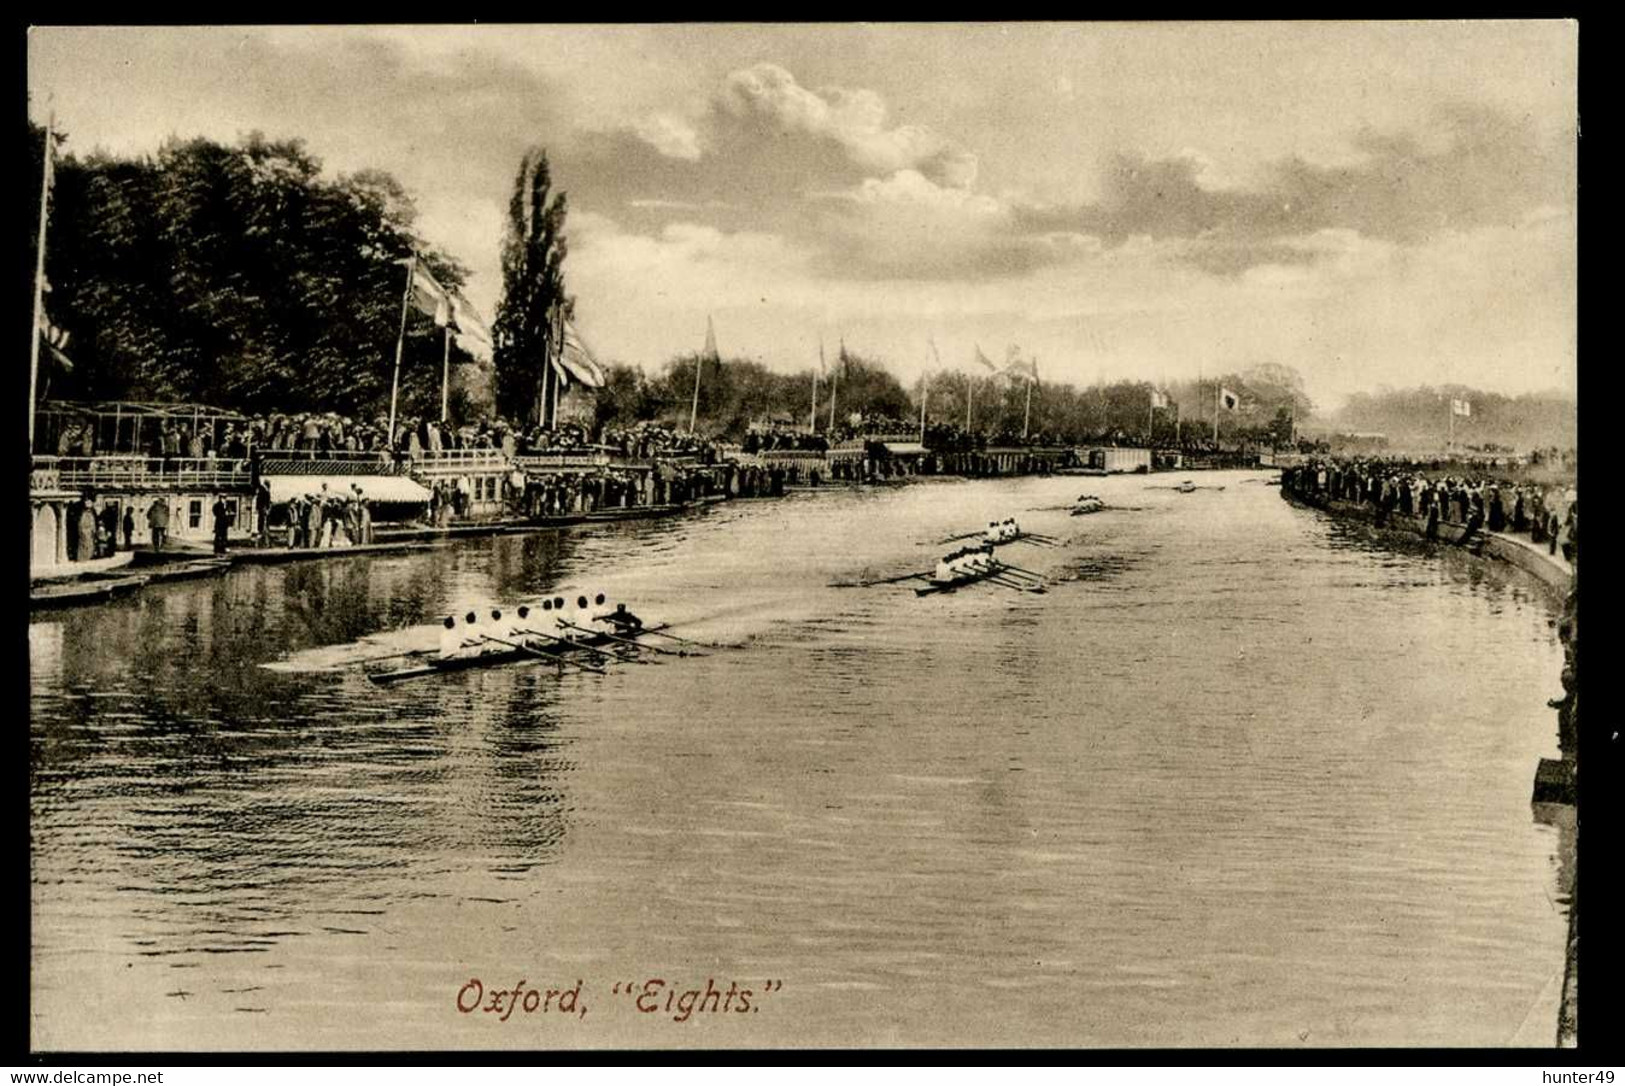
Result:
[[768, 98], [1474, 167], [671, 136]]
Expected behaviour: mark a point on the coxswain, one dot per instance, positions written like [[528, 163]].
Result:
[[451, 639], [625, 620]]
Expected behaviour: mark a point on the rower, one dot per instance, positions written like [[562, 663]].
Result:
[[500, 629], [472, 638], [521, 625], [994, 533], [945, 571], [451, 639]]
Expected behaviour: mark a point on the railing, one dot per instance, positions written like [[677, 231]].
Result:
[[281, 462], [584, 460], [459, 462], [142, 472]]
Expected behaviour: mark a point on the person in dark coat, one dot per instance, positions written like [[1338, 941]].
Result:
[[222, 522], [158, 522], [129, 527], [110, 526]]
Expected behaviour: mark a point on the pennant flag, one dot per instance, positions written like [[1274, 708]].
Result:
[[1159, 398], [711, 341], [56, 342], [985, 360], [1228, 400], [935, 353], [821, 368], [1463, 408], [579, 360], [1024, 371]]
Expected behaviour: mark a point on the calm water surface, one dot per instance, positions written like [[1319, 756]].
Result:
[[1242, 777]]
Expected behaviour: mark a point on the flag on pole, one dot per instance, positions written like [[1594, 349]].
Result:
[[578, 360], [1159, 399], [985, 360], [432, 299], [1024, 371], [1464, 408], [473, 335], [56, 341], [1228, 400]]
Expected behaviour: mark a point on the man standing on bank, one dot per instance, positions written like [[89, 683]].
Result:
[[222, 521], [158, 521]]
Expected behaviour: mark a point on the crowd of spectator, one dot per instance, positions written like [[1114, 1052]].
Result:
[[1547, 514]]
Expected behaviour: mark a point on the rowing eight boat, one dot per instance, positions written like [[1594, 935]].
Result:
[[995, 570], [529, 649]]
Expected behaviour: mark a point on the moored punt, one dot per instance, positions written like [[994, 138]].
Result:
[[91, 589], [521, 651]]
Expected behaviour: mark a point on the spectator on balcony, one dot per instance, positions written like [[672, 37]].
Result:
[[158, 522]]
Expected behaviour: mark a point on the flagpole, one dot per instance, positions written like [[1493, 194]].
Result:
[[1151, 421], [925, 391], [1027, 416], [400, 342], [1215, 416], [812, 416], [558, 356], [694, 412], [970, 395], [834, 387], [1450, 443], [445, 377], [39, 276]]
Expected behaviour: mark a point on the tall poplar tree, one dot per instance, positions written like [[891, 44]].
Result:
[[533, 297]]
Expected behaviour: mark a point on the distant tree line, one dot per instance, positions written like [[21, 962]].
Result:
[[1421, 418]]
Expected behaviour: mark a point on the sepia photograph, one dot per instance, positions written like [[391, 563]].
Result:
[[768, 536]]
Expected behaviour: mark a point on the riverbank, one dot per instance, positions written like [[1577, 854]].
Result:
[[1554, 780]]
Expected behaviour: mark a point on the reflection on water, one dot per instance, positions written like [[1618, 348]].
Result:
[[1243, 776]]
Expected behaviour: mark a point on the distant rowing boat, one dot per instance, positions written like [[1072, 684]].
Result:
[[529, 649]]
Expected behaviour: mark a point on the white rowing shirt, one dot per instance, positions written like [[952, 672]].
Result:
[[451, 641]]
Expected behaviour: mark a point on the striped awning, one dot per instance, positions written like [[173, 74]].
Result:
[[374, 488]]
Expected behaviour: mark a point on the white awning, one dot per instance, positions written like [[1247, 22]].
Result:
[[375, 488], [905, 448]]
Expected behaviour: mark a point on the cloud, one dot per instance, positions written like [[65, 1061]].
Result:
[[765, 100], [671, 136], [1474, 167]]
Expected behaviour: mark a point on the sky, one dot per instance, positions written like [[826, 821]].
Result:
[[1371, 203]]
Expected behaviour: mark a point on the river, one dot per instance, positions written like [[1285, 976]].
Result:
[[1242, 776]]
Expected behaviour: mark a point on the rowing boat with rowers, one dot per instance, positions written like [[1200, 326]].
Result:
[[542, 647], [978, 568]]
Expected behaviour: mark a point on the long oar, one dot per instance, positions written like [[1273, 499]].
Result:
[[575, 645], [649, 632], [546, 655], [870, 584], [626, 641], [1020, 586], [957, 538], [1019, 569]]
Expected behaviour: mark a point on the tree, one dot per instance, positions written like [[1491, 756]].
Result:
[[533, 296], [239, 276]]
